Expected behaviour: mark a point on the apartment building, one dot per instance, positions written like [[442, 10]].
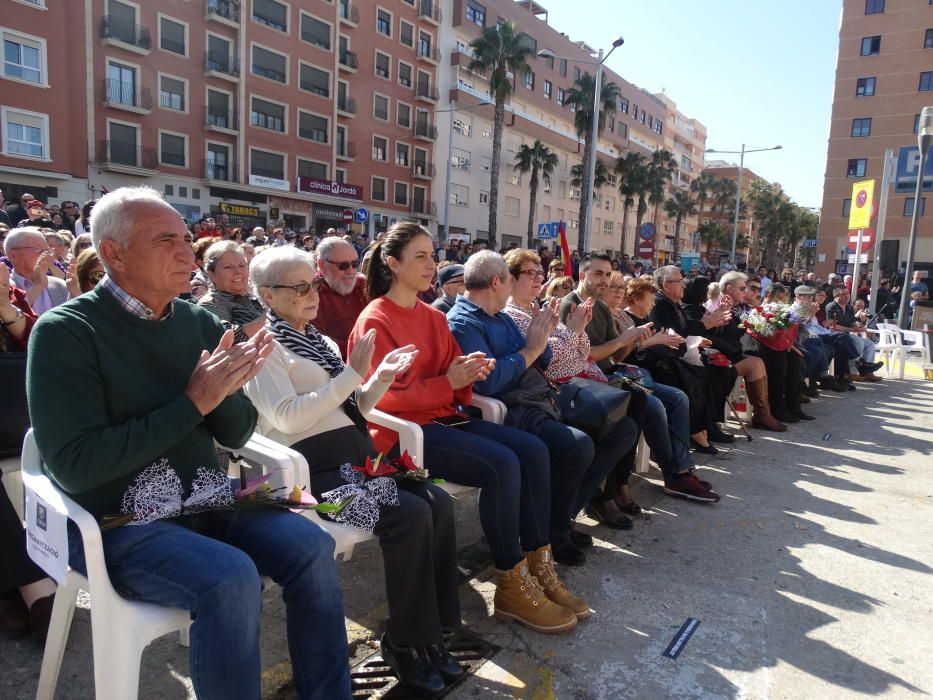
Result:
[[722, 212], [537, 110], [43, 120], [265, 110], [884, 77]]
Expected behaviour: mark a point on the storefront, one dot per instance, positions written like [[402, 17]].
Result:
[[242, 216], [330, 214]]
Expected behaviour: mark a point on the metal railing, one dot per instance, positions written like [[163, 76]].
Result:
[[120, 92], [425, 130], [348, 150], [426, 91], [428, 10], [218, 171], [423, 169], [119, 30], [431, 53], [221, 63], [349, 59], [349, 12], [424, 207], [221, 118], [346, 104], [123, 153], [225, 9]]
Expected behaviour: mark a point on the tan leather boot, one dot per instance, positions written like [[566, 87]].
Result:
[[541, 566], [520, 599], [762, 418]]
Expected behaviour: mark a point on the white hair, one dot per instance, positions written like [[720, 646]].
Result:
[[480, 269], [114, 217], [662, 274], [732, 278], [20, 235], [327, 245], [274, 264]]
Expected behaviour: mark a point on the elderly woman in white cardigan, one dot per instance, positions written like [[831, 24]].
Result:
[[308, 398]]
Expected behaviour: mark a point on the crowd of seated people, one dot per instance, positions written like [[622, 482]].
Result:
[[302, 346]]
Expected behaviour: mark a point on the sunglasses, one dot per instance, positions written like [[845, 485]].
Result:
[[96, 276], [302, 289], [345, 265]]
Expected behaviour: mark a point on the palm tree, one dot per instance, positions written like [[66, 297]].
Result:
[[661, 172], [580, 99], [578, 176], [702, 186], [631, 169], [498, 51], [711, 233], [679, 207], [535, 159]]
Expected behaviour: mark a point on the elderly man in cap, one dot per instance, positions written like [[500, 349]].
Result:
[[816, 353], [450, 278]]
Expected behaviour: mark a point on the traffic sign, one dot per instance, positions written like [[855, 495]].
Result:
[[361, 216], [863, 261], [645, 250], [548, 231], [646, 231], [861, 209], [908, 163], [868, 240], [348, 216], [809, 243]]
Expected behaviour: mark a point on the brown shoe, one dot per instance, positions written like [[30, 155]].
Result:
[[758, 397], [856, 378], [541, 566], [519, 598], [872, 377]]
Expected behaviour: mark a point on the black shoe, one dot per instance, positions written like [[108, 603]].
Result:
[[703, 449], [803, 416], [445, 663], [714, 434], [848, 384], [581, 540], [568, 554], [811, 391], [832, 384], [868, 367], [414, 668], [607, 513], [785, 417]]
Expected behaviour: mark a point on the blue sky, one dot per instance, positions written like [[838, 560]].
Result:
[[753, 71]]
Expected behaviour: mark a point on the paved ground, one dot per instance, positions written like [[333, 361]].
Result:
[[810, 579]]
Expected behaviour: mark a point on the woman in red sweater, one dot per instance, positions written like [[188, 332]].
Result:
[[511, 467]]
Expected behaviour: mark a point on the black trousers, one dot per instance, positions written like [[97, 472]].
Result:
[[785, 373], [417, 537], [16, 568]]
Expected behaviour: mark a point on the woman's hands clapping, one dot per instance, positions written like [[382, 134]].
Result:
[[396, 362]]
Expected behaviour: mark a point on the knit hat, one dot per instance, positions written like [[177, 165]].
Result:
[[449, 274]]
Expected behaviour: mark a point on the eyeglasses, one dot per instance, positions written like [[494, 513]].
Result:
[[680, 281], [345, 265], [96, 276], [302, 289], [534, 274], [33, 248], [614, 288]]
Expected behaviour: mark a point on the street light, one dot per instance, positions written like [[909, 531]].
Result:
[[924, 141], [594, 129], [738, 189]]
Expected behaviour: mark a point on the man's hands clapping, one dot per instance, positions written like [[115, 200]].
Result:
[[224, 371], [466, 369]]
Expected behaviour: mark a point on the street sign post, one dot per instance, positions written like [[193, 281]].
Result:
[[810, 243], [645, 250], [861, 209], [646, 231], [348, 216], [548, 231], [361, 216], [865, 237]]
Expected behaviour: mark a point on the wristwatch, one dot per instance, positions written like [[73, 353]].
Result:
[[19, 316]]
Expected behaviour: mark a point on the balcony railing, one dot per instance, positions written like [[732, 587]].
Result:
[[347, 152], [221, 118], [425, 208], [349, 13], [129, 154], [349, 59], [119, 92], [225, 172], [346, 104], [425, 131], [429, 53], [220, 62], [430, 11], [225, 9], [126, 32], [427, 92], [423, 170]]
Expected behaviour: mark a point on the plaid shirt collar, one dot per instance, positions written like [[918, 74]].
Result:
[[131, 303]]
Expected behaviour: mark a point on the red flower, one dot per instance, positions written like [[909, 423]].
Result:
[[759, 309], [406, 463], [377, 468], [769, 316]]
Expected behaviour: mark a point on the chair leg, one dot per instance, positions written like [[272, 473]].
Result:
[[116, 668], [59, 626]]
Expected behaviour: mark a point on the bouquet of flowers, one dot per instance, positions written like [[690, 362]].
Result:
[[771, 324]]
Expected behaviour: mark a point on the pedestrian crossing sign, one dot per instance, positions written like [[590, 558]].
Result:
[[547, 231]]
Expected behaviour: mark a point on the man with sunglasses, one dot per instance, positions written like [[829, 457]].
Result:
[[342, 292]]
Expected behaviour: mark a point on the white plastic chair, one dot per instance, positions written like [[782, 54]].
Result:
[[493, 409], [120, 628], [915, 338], [890, 346]]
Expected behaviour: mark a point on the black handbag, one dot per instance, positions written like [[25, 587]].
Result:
[[15, 421], [534, 390], [593, 406]]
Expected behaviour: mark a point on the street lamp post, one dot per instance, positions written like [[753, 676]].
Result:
[[924, 141], [594, 131], [738, 190]]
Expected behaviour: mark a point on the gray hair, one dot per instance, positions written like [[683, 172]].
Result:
[[217, 250], [113, 218], [732, 278], [260, 229], [482, 267], [662, 274], [22, 234], [274, 264], [327, 246]]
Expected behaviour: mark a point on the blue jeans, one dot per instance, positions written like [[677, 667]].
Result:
[[815, 360], [667, 429], [511, 469], [210, 563]]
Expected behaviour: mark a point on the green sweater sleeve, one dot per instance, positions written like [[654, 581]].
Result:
[[67, 406], [233, 421]]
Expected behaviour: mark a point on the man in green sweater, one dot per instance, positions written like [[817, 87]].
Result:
[[128, 390]]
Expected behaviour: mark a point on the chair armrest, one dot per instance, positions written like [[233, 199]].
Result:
[[271, 455], [493, 409], [411, 439]]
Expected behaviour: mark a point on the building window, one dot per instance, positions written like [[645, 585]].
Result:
[[406, 33], [563, 67], [218, 109], [121, 85], [384, 22], [171, 93], [874, 7], [380, 148], [401, 193], [515, 179], [909, 206], [460, 195], [313, 127], [269, 64], [529, 79], [314, 80], [512, 205], [404, 74], [607, 228], [172, 36], [402, 151], [658, 126], [460, 159], [635, 112], [861, 127], [871, 45], [267, 115], [560, 96], [219, 56], [316, 32], [463, 126], [379, 189], [312, 169], [381, 107], [218, 163], [864, 87], [856, 167], [271, 13], [928, 39], [383, 62], [172, 149], [926, 81], [265, 164], [403, 114], [25, 134], [576, 73], [484, 198], [846, 206], [485, 164], [476, 13], [548, 88], [623, 106], [23, 58]]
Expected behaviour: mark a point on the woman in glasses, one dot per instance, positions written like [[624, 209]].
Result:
[[88, 272], [308, 398], [228, 297]]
